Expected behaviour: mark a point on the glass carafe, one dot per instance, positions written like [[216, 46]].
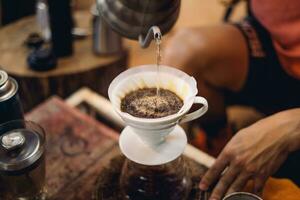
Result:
[[170, 181]]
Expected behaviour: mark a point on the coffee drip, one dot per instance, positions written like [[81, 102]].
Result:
[[158, 40]]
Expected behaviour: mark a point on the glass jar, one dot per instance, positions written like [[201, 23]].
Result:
[[170, 181], [22, 161]]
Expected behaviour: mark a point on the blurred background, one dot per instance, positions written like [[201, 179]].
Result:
[[24, 36], [72, 49]]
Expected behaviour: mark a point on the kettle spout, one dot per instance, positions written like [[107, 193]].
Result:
[[153, 33]]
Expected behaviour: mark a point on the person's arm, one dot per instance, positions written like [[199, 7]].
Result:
[[255, 152]]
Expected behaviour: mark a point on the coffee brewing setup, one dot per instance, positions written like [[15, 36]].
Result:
[[154, 165], [154, 168]]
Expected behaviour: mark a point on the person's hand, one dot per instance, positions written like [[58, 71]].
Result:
[[254, 153]]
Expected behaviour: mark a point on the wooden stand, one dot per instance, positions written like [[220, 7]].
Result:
[[83, 68]]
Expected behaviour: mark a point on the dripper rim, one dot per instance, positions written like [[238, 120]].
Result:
[[140, 69]]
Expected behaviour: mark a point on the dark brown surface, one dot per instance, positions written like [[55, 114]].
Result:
[[78, 148], [108, 181], [81, 69], [151, 103]]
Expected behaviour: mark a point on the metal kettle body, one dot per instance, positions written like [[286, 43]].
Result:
[[133, 18]]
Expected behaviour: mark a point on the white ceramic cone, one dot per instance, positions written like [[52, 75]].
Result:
[[154, 131]]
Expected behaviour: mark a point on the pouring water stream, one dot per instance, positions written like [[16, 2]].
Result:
[[157, 38]]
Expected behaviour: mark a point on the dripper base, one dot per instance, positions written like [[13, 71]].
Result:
[[138, 151]]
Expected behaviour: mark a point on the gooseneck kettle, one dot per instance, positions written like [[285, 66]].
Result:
[[140, 20]]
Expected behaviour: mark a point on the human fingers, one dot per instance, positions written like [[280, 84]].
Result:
[[214, 172], [239, 183], [224, 183], [259, 183]]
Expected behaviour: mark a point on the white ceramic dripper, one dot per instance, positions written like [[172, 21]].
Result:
[[153, 132]]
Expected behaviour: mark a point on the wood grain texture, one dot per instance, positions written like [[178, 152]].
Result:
[[83, 68], [78, 147]]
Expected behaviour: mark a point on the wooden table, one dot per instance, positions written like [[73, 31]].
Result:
[[83, 68], [78, 147]]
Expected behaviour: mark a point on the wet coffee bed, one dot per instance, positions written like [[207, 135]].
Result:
[[107, 187], [151, 103]]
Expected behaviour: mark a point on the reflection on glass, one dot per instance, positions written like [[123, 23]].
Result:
[[168, 181]]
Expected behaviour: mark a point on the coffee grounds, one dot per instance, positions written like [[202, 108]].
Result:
[[145, 103]]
